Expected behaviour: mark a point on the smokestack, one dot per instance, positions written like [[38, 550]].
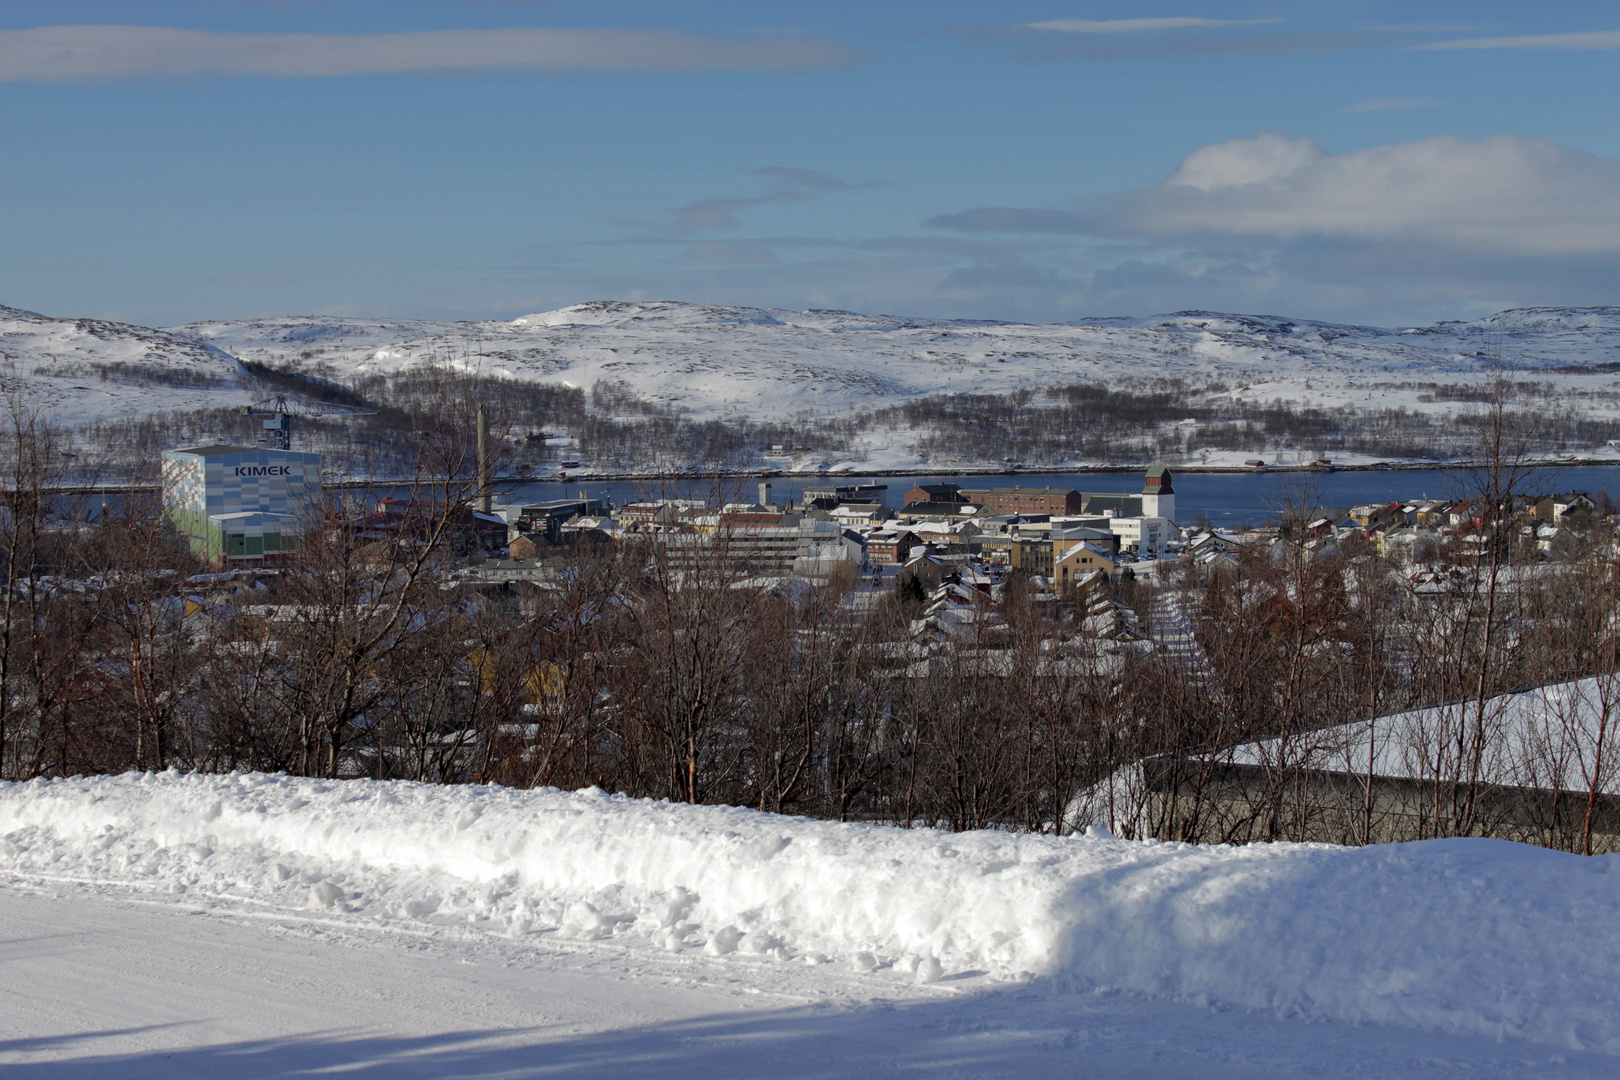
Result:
[[485, 500]]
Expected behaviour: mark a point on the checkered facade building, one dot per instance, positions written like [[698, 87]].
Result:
[[240, 503]]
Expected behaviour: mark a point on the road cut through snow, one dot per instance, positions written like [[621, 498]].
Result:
[[101, 983], [1478, 939]]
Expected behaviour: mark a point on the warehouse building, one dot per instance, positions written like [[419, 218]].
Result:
[[241, 505]]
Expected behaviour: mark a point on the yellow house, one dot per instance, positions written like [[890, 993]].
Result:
[[546, 682], [1078, 561]]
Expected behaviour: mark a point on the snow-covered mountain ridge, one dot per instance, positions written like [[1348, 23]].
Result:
[[773, 362]]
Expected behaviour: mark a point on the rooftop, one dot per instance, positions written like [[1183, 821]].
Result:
[[216, 450]]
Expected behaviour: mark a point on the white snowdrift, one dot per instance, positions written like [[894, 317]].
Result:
[[1471, 936]]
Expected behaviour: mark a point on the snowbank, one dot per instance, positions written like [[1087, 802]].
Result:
[[1471, 936]]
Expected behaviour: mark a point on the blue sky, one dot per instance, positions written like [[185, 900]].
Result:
[[173, 160]]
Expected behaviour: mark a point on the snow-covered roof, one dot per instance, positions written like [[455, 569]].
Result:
[[1523, 725]]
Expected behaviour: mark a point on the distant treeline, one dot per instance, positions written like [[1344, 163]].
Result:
[[1173, 418], [174, 378]]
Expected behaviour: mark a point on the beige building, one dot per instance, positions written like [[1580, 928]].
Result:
[[1077, 561]]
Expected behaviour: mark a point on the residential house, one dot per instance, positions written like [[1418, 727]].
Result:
[[1372, 515], [1398, 542], [1078, 561], [1427, 513], [889, 546], [1555, 507], [956, 612], [1206, 547], [1314, 521], [1104, 539], [929, 569], [951, 533]]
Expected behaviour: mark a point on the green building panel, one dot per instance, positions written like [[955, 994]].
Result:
[[238, 503]]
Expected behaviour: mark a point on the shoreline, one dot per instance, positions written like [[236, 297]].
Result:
[[587, 477], [1054, 470]]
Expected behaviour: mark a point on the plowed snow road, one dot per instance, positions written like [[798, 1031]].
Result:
[[102, 981]]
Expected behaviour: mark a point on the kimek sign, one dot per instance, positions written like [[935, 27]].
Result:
[[264, 470]]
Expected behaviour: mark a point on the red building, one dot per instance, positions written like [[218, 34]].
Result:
[[1023, 500], [935, 493], [890, 547]]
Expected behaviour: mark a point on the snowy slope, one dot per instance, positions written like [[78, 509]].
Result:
[[777, 362], [773, 363], [86, 368], [1474, 937]]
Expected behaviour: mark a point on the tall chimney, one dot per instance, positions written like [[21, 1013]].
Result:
[[485, 500]]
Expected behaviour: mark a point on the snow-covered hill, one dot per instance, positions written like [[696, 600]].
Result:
[[773, 363], [80, 369]]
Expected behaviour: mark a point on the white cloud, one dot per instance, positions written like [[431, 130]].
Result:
[[1584, 41], [1088, 41], [1503, 194], [98, 53], [1389, 233], [1390, 104], [1242, 162], [1136, 26]]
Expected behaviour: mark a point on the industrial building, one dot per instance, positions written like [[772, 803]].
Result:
[[547, 518], [241, 505], [1158, 498], [827, 496]]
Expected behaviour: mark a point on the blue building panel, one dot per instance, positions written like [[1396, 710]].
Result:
[[206, 482]]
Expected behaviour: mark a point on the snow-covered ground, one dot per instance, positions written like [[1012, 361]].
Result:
[[720, 361], [106, 984], [768, 363], [258, 926], [61, 363]]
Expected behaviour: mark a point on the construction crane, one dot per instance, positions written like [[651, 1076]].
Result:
[[279, 411]]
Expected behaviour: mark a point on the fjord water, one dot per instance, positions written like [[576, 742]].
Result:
[[1228, 500]]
